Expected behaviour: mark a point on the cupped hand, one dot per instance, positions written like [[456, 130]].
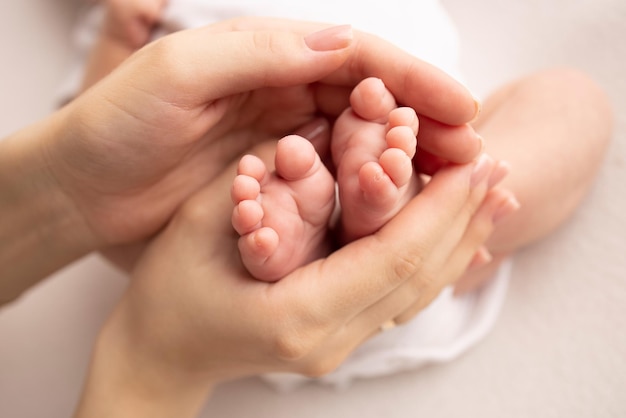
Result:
[[134, 147], [192, 310]]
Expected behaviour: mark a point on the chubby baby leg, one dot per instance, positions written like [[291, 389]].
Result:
[[282, 216], [372, 146], [553, 127]]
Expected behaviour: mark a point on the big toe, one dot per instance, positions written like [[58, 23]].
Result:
[[371, 100], [295, 157]]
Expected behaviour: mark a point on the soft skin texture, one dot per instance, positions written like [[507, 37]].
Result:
[[117, 174], [174, 124], [193, 316], [120, 172], [283, 216], [133, 157], [555, 112], [373, 145]]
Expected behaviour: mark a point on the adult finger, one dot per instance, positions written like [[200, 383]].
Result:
[[427, 279], [201, 65], [363, 272], [458, 144], [413, 82], [338, 334], [478, 231]]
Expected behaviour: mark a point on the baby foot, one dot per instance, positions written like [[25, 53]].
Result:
[[372, 146], [282, 216]]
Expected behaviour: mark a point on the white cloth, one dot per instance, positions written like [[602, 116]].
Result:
[[450, 325], [440, 333]]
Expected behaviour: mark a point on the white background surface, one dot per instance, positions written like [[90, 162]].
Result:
[[559, 348]]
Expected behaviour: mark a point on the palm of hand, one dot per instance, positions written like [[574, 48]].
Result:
[[148, 153], [230, 325]]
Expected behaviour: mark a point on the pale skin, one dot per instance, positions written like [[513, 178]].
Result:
[[158, 385], [372, 147], [296, 207], [370, 194], [553, 127], [331, 98], [518, 113], [284, 215], [430, 259], [113, 178], [67, 189], [193, 316]]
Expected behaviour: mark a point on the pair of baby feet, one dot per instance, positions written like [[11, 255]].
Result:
[[283, 216]]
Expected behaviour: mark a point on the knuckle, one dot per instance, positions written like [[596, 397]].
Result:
[[265, 41], [298, 333], [417, 285], [406, 263]]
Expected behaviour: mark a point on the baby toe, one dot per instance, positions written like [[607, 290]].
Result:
[[371, 100], [402, 138], [247, 216], [244, 188], [397, 165]]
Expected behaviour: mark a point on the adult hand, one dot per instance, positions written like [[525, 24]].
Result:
[[113, 166], [153, 132], [444, 107], [193, 316]]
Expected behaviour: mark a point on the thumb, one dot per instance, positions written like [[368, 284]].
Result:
[[198, 66]]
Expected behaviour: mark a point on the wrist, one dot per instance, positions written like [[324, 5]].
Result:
[[40, 230], [124, 381]]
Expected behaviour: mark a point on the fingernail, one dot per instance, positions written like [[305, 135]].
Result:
[[482, 143], [481, 169], [478, 107], [500, 171], [506, 208], [330, 39]]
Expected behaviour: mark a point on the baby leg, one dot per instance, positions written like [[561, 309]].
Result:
[[282, 216], [553, 127], [372, 146]]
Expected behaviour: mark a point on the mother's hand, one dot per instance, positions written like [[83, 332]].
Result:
[[193, 316], [134, 147]]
